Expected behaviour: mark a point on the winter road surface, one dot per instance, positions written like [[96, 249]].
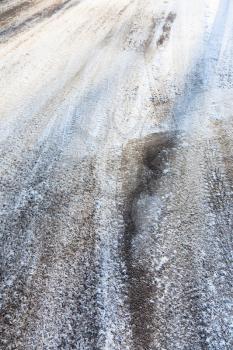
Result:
[[116, 141]]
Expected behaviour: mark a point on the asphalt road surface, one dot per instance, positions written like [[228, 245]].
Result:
[[116, 174]]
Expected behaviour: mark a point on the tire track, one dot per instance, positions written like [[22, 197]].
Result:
[[142, 166], [10, 29]]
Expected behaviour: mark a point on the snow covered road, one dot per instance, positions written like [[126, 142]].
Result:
[[116, 185]]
